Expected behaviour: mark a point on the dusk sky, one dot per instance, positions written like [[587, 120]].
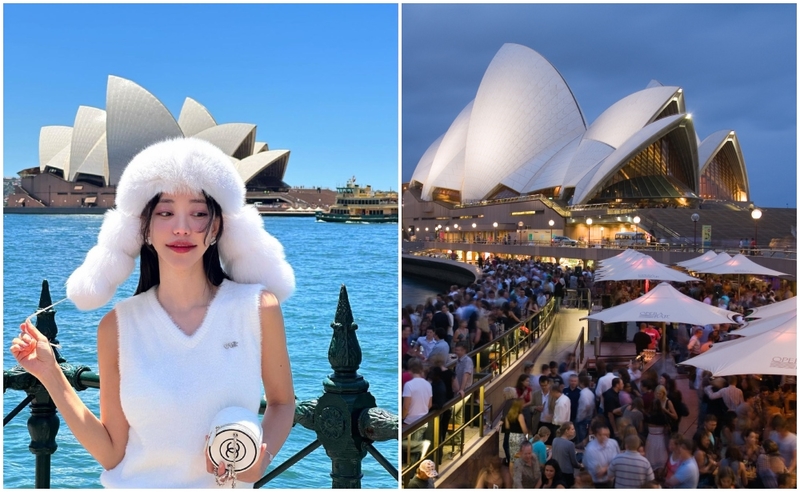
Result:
[[319, 80], [737, 66]]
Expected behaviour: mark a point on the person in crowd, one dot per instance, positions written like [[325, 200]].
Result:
[[634, 413], [641, 340], [706, 459], [725, 478], [770, 465], [693, 348], [734, 462], [630, 470], [657, 421], [562, 407], [417, 394], [786, 441], [552, 476], [674, 458], [538, 442], [586, 408], [424, 476], [494, 475], [441, 379], [611, 406], [730, 394], [563, 451], [523, 387], [573, 392], [687, 475], [516, 431], [527, 474], [539, 401], [598, 455]]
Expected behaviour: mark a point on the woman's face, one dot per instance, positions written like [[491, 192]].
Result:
[[526, 383], [661, 394], [726, 482], [178, 229], [751, 439], [570, 434], [705, 440], [662, 381], [549, 472]]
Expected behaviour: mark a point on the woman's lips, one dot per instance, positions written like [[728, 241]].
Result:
[[181, 247]]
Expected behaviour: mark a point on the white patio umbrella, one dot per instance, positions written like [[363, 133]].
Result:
[[643, 268], [717, 260], [739, 265], [707, 256], [776, 308], [627, 255], [773, 352], [778, 322], [664, 304]]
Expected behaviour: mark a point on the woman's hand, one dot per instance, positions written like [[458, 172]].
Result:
[[252, 475], [32, 351]]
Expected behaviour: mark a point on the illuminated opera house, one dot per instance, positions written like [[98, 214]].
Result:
[[79, 166], [524, 138]]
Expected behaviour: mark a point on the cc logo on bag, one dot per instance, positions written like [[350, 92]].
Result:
[[232, 449]]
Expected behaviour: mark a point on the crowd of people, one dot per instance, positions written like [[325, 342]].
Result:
[[621, 425]]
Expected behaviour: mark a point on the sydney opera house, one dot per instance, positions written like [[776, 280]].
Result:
[[79, 166], [524, 136]]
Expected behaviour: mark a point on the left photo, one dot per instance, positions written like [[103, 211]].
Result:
[[200, 246]]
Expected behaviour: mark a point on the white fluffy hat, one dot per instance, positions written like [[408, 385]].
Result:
[[249, 254]]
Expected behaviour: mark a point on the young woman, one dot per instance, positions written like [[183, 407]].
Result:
[[563, 451], [492, 475], [193, 336], [552, 478], [538, 442], [705, 462], [515, 428]]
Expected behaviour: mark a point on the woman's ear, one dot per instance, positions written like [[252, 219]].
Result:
[[215, 230]]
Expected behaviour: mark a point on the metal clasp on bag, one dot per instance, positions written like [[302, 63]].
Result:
[[230, 469]]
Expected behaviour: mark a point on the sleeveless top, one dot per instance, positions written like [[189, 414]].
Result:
[[172, 385]]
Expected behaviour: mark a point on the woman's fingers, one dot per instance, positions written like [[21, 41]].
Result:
[[32, 331]]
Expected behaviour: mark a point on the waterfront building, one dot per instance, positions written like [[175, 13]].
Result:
[[520, 164], [79, 166]]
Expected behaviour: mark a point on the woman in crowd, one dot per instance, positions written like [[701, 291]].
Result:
[[734, 462], [657, 421], [524, 388], [539, 446], [704, 457], [563, 451], [494, 475], [441, 379], [514, 426], [552, 477]]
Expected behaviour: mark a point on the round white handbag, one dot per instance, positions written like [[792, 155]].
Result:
[[235, 439]]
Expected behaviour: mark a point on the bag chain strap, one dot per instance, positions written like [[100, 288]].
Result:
[[230, 469]]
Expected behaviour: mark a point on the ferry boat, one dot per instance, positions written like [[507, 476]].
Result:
[[360, 204]]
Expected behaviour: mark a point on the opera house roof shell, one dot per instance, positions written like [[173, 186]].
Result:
[[524, 133], [101, 142]]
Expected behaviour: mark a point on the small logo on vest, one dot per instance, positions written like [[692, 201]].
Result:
[[233, 344]]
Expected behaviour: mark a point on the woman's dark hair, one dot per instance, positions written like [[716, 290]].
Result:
[[148, 259], [520, 382], [557, 476]]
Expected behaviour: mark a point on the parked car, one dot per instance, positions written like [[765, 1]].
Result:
[[564, 241]]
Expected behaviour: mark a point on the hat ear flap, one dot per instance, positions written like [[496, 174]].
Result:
[[107, 264], [251, 255]]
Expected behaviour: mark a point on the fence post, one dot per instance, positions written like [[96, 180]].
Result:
[[346, 395]]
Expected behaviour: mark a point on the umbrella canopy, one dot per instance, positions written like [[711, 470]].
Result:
[[642, 268], [664, 304], [717, 260], [773, 352], [776, 308], [707, 256], [627, 255], [739, 265], [779, 322]]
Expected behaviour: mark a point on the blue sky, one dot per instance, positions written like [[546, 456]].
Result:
[[737, 65], [319, 80]]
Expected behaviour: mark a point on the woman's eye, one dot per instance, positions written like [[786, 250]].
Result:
[[164, 213]]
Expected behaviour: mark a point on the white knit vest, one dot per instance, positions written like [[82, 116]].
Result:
[[172, 385]]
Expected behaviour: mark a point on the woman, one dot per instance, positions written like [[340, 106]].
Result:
[[658, 428], [491, 476], [635, 415], [705, 462], [515, 429], [552, 478], [188, 327], [539, 447], [524, 388], [460, 335], [734, 462], [563, 451], [751, 449], [441, 379]]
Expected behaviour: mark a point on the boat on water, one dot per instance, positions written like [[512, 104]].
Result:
[[360, 204]]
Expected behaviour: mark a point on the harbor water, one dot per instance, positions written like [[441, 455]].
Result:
[[324, 256]]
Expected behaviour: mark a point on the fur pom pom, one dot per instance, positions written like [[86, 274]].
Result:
[[251, 255]]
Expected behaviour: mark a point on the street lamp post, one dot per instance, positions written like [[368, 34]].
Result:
[[755, 214], [494, 232], [520, 225], [636, 221], [589, 224], [552, 223], [695, 218]]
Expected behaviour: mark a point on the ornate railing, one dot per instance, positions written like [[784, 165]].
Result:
[[345, 418]]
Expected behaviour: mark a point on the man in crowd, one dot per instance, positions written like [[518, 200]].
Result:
[[598, 455], [526, 468], [586, 409], [561, 411], [611, 405], [693, 347], [641, 339], [426, 344], [424, 477], [731, 395], [417, 394], [630, 470], [687, 476], [573, 392], [539, 401]]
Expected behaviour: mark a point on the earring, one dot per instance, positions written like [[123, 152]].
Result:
[[213, 242], [147, 241]]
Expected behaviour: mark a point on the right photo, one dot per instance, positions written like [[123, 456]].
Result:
[[599, 266]]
